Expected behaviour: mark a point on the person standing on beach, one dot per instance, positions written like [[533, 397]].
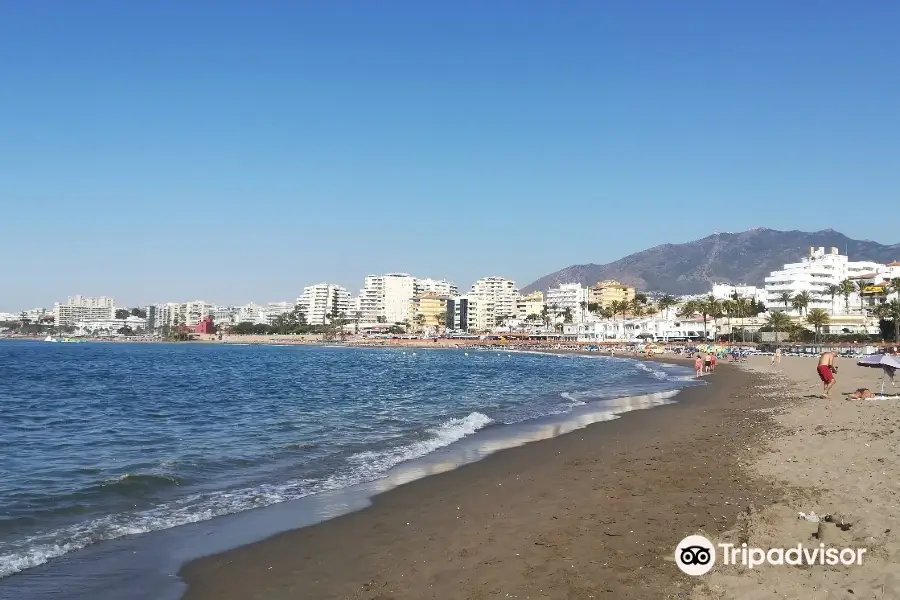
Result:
[[712, 362], [826, 370], [707, 362], [698, 364], [776, 358]]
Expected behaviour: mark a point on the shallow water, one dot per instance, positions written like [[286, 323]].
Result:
[[104, 441]]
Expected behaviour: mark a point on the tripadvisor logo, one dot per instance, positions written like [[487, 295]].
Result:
[[695, 555]]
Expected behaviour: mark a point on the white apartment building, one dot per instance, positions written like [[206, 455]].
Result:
[[437, 287], [111, 326], [387, 297], [250, 313], [812, 274], [83, 308], [569, 296], [503, 292], [727, 291], [323, 299], [475, 311]]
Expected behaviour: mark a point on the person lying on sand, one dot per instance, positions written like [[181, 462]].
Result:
[[861, 394]]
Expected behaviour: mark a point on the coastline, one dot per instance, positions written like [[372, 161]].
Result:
[[590, 513]]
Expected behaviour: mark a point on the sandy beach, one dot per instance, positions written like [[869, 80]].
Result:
[[833, 457], [591, 514]]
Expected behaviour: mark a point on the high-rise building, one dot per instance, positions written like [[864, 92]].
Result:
[[386, 298], [439, 287], [318, 302], [474, 312], [569, 299], [503, 293], [83, 308]]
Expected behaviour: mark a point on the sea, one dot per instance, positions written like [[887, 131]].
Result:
[[119, 461]]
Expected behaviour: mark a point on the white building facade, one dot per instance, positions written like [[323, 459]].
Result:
[[386, 297], [571, 297], [83, 308], [321, 300], [503, 291], [813, 274], [727, 291], [437, 287]]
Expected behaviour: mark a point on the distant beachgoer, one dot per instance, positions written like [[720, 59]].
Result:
[[712, 362], [707, 362], [698, 364], [826, 369], [776, 358]]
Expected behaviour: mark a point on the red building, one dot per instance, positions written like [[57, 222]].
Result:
[[205, 326]]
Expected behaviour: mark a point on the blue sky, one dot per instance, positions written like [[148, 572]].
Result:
[[236, 151]]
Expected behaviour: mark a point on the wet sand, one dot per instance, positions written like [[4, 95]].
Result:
[[595, 513]]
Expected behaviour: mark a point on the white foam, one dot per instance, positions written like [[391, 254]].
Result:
[[36, 550], [443, 435]]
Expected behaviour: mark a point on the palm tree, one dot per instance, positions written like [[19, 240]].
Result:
[[892, 310], [801, 301], [709, 307], [729, 308], [356, 318], [667, 302], [818, 318], [860, 288], [545, 316], [785, 298], [832, 290], [584, 305], [636, 306], [847, 288], [778, 321], [441, 321], [624, 307]]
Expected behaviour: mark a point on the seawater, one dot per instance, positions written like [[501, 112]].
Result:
[[102, 441]]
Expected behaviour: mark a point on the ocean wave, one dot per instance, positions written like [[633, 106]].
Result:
[[443, 435], [365, 466]]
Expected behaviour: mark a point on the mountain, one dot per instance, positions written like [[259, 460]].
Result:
[[692, 267]]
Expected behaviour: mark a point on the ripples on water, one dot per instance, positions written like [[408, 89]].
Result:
[[105, 440]]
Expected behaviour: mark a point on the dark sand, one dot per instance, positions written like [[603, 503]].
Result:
[[595, 513]]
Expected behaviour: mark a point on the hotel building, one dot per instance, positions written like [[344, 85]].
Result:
[[440, 287], [501, 291], [83, 308], [568, 296], [813, 274], [386, 297], [323, 299]]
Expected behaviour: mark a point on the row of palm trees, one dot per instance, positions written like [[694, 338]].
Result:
[[800, 302]]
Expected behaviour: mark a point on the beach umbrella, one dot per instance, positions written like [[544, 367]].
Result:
[[887, 363]]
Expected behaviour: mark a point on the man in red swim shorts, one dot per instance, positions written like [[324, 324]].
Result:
[[826, 370]]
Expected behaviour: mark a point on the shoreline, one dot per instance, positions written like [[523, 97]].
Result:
[[245, 527], [563, 500]]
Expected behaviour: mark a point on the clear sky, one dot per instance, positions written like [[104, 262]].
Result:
[[234, 151]]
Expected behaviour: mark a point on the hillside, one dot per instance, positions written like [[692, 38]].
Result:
[[691, 268]]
